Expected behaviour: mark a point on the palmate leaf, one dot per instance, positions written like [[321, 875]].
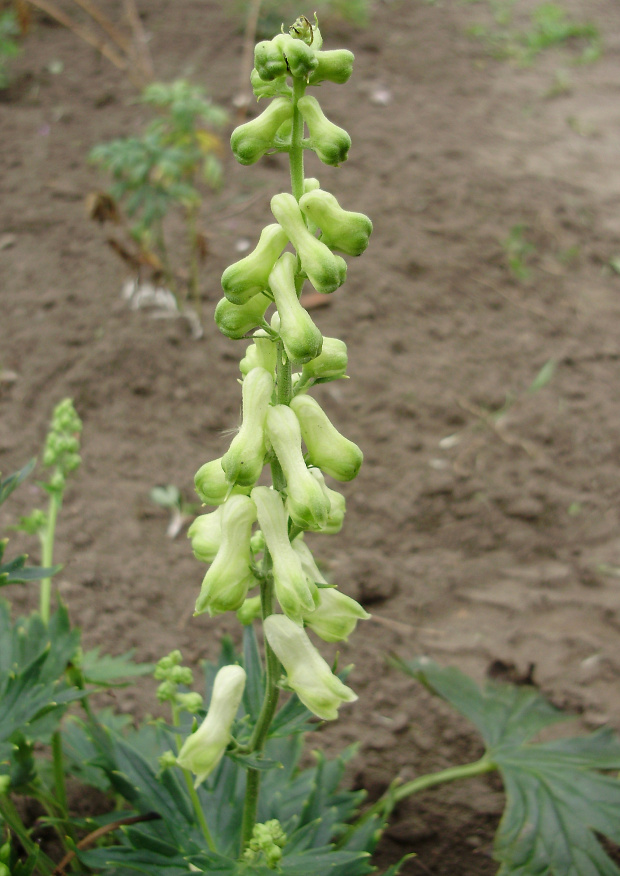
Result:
[[557, 799], [104, 669]]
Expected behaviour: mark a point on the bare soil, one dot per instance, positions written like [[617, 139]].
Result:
[[487, 542]]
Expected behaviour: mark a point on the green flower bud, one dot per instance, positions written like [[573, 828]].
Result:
[[182, 675], [336, 615], [262, 353], [167, 760], [325, 270], [5, 785], [337, 504], [307, 673], [236, 320], [341, 229], [244, 460], [311, 183], [202, 751], [300, 57], [206, 535], [229, 578], [275, 88], [189, 702], [335, 66], [307, 504], [269, 60], [327, 448], [249, 611], [166, 691], [293, 590], [330, 364], [268, 839], [250, 141], [257, 542], [330, 142], [301, 338], [303, 30], [211, 485], [249, 276]]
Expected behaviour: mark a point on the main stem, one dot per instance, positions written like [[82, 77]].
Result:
[[284, 393]]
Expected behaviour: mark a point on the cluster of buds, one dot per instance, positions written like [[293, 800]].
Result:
[[255, 536]]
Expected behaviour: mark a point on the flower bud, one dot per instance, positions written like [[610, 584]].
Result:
[[336, 615], [301, 29], [330, 364], [335, 66], [327, 448], [307, 504], [325, 270], [249, 611], [301, 338], [230, 576], [236, 320], [311, 183], [247, 277], [211, 484], [337, 504], [293, 590], [341, 229], [275, 88], [262, 353], [269, 60], [330, 142], [307, 673], [300, 58], [202, 751], [243, 462], [250, 141], [206, 535]]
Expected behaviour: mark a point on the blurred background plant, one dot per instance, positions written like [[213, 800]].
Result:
[[9, 46], [160, 172]]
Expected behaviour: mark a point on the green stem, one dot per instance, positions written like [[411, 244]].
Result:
[[47, 555], [193, 794], [10, 815], [395, 793], [284, 393], [296, 154]]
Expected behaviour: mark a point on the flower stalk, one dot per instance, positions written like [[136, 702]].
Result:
[[255, 541]]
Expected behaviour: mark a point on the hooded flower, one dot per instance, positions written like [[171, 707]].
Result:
[[307, 673], [203, 750]]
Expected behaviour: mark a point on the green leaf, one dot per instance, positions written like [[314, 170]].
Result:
[[544, 376], [101, 669], [13, 481], [557, 799]]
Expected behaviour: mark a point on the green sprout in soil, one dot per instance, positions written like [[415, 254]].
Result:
[[160, 173]]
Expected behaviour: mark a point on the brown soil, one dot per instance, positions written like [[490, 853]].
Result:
[[482, 542]]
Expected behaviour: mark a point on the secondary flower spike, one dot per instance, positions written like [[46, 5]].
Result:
[[307, 673], [203, 750]]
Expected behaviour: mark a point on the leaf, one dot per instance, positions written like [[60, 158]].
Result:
[[13, 481], [557, 799], [98, 669], [544, 376]]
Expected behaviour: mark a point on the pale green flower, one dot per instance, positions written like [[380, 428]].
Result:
[[203, 750], [307, 673]]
